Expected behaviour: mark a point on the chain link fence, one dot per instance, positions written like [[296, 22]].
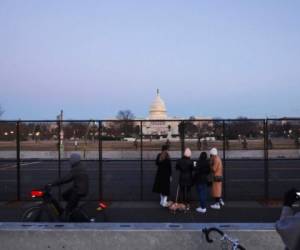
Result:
[[261, 157]]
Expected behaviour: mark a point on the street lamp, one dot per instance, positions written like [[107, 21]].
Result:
[[290, 133], [36, 136]]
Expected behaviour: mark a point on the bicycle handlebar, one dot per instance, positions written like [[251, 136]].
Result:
[[207, 231], [240, 247]]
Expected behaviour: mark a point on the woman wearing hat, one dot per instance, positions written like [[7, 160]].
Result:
[[217, 170], [185, 167]]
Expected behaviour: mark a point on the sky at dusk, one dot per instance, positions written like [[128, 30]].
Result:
[[93, 58]]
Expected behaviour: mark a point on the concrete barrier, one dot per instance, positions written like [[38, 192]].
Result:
[[150, 155], [140, 236]]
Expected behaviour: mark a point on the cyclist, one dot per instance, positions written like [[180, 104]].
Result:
[[78, 175]]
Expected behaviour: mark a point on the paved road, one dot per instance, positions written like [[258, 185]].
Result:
[[121, 180], [233, 212]]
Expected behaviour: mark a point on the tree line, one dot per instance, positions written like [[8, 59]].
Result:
[[124, 126]]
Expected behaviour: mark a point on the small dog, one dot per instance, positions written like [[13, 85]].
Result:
[[177, 207]]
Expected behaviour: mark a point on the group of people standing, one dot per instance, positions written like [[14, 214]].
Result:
[[202, 174]]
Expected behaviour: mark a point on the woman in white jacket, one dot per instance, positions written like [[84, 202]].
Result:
[[288, 226]]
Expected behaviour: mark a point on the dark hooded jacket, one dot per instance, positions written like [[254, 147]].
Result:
[[202, 171], [163, 174], [78, 175], [185, 167]]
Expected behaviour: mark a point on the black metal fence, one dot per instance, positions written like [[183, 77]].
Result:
[[261, 157]]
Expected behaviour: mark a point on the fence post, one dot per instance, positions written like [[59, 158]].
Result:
[[100, 160], [266, 160], [141, 164], [224, 157], [59, 155], [182, 136], [18, 162]]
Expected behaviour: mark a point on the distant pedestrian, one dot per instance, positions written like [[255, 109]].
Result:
[[217, 170], [185, 166], [199, 143], [163, 176], [202, 171], [135, 143], [270, 143], [76, 144], [245, 143]]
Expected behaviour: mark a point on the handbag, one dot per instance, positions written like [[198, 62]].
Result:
[[218, 178], [210, 178]]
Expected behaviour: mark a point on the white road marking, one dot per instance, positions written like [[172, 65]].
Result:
[[22, 164]]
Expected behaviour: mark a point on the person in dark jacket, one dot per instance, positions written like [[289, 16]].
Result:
[[78, 175], [185, 166], [163, 176], [202, 171]]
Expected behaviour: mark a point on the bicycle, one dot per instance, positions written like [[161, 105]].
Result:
[[49, 210], [225, 239]]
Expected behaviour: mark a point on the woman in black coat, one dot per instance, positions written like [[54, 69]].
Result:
[[163, 176], [185, 166], [202, 172]]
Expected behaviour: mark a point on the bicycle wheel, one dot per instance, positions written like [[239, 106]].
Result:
[[36, 214], [32, 214]]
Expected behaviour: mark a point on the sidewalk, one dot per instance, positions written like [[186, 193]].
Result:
[[151, 212]]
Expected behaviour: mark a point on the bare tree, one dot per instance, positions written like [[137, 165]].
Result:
[[190, 129], [125, 115], [75, 130], [243, 127], [126, 125]]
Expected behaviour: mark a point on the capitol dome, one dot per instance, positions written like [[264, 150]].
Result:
[[158, 109]]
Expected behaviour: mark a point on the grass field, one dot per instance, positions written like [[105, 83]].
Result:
[[257, 144]]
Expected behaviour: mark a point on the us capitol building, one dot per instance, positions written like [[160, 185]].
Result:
[[160, 124]]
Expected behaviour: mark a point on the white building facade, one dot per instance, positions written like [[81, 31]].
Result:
[[160, 124]]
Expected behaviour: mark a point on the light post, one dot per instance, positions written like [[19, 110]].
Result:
[[37, 134]]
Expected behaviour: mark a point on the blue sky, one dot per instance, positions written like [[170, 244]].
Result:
[[93, 58]]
